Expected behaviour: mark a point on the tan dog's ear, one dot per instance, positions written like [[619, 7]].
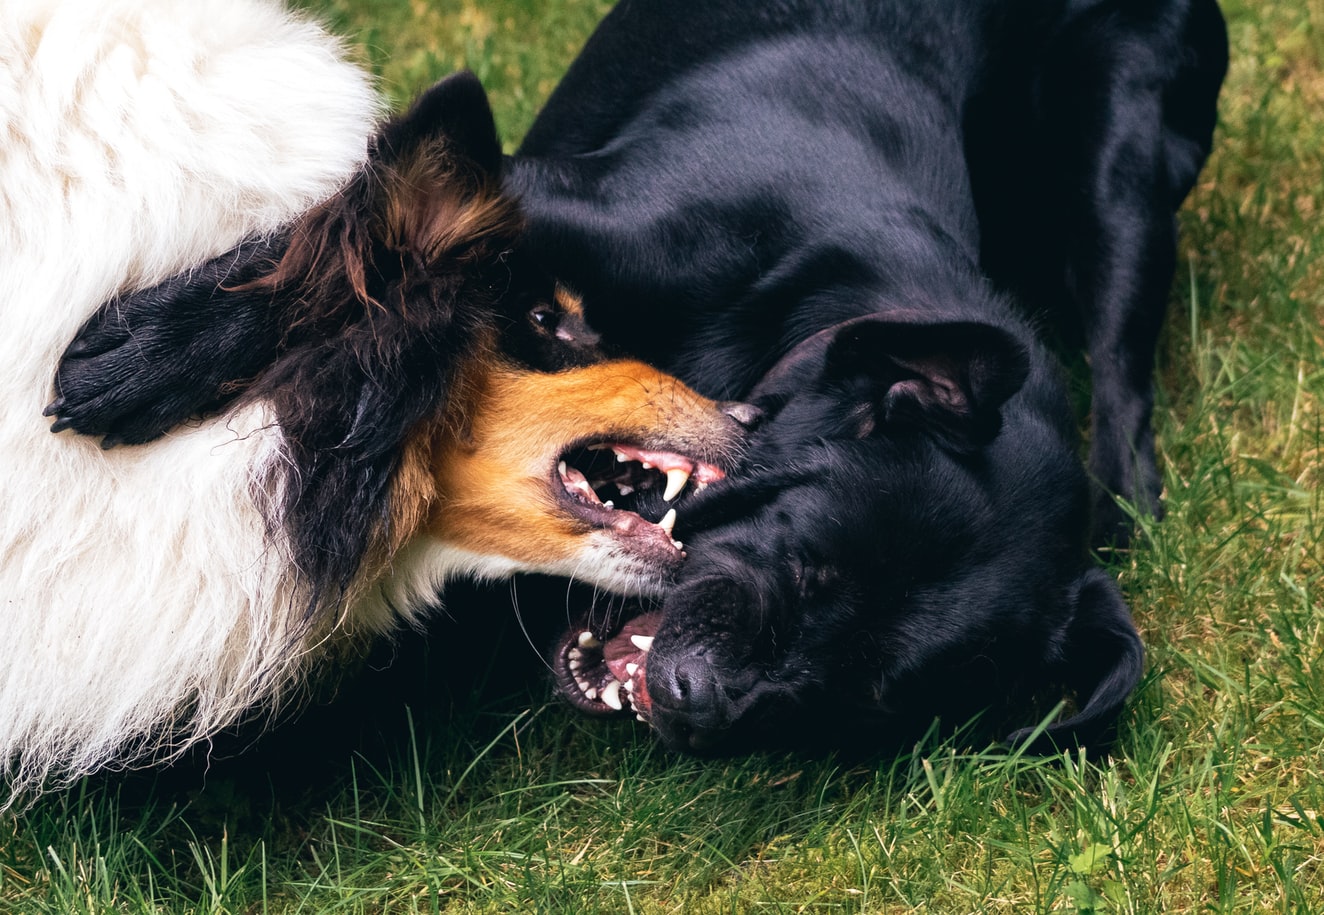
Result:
[[382, 290], [454, 109], [427, 205]]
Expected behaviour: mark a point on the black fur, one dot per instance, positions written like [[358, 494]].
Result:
[[870, 218]]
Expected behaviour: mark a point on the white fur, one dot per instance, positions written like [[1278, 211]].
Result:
[[141, 606]]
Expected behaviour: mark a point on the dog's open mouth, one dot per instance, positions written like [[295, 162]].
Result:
[[604, 673], [630, 490]]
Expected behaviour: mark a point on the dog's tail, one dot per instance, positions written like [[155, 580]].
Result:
[[1101, 658]]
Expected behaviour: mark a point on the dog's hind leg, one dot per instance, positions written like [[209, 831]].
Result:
[[1118, 121], [1132, 104]]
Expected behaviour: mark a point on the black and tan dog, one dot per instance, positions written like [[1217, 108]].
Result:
[[862, 216]]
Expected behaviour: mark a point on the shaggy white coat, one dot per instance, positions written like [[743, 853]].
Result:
[[138, 138]]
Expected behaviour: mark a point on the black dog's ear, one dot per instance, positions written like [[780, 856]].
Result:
[[1101, 658], [950, 378]]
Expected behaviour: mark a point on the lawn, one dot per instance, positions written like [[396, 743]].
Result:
[[448, 781]]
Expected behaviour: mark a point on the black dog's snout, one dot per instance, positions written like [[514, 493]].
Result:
[[748, 415], [690, 707]]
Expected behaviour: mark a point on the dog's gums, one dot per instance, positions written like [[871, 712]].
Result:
[[604, 673], [615, 486]]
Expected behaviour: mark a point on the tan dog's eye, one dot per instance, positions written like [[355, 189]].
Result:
[[545, 317]]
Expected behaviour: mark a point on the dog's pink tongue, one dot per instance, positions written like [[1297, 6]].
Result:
[[626, 655]]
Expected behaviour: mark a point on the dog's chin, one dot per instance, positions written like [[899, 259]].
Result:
[[601, 669]]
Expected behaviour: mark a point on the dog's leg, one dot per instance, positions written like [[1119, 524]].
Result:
[[1130, 102], [1079, 211], [145, 361], [149, 360]]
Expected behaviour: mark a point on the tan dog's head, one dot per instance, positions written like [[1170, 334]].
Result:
[[573, 472]]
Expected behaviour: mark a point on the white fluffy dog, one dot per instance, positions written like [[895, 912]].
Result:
[[149, 594]]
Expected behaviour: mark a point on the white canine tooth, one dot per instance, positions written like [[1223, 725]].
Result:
[[611, 694], [639, 717], [668, 521], [677, 477], [642, 642], [630, 670], [561, 468], [588, 640]]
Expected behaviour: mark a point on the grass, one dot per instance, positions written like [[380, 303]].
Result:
[[447, 782]]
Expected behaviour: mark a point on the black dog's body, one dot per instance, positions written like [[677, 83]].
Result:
[[727, 178], [846, 211], [861, 215]]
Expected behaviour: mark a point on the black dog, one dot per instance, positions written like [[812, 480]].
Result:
[[856, 214], [859, 215]]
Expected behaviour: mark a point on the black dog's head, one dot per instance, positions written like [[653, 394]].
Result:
[[903, 543]]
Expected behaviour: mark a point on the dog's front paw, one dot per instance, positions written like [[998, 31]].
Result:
[[1114, 523], [124, 379]]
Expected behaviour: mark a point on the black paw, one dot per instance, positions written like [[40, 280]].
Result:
[[124, 378], [1114, 524], [151, 360]]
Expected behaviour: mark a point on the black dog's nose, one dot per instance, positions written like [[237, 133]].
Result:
[[690, 709], [748, 415], [688, 685], [693, 684]]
